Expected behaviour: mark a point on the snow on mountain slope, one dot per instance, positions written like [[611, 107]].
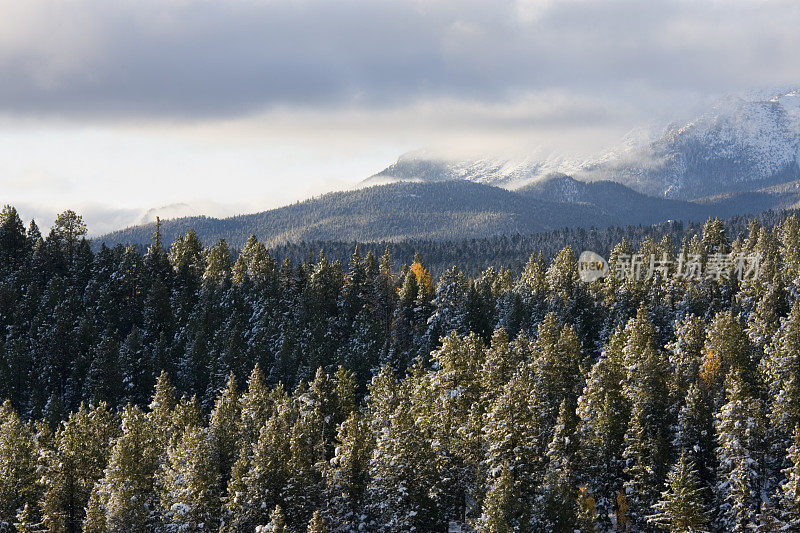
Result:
[[737, 145], [506, 173]]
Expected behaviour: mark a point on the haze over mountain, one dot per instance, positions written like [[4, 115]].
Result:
[[736, 145], [739, 157]]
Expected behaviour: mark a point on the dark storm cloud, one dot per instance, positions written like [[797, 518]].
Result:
[[195, 59]]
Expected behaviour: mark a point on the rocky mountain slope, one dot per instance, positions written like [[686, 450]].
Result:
[[737, 145]]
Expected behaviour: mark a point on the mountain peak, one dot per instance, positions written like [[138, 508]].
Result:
[[739, 143]]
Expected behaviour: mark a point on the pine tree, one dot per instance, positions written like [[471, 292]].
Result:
[[28, 521], [647, 440], [103, 382], [162, 408], [66, 232], [790, 489], [448, 409], [256, 408], [348, 475], [186, 256], [259, 477], [253, 263], [499, 506], [95, 519], [402, 473], [136, 373], [17, 465], [12, 238], [781, 368], [511, 436], [317, 525], [727, 348], [558, 500], [587, 511], [75, 465], [188, 482], [224, 428], [681, 508], [695, 436], [382, 399], [686, 356], [304, 486], [740, 433], [768, 519], [604, 412], [127, 490], [501, 360], [323, 400], [218, 263], [556, 366], [450, 303], [277, 522]]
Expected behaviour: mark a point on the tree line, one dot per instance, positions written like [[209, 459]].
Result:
[[188, 390]]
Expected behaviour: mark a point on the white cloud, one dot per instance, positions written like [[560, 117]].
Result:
[[200, 59]]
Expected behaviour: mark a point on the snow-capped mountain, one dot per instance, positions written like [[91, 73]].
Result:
[[507, 173], [738, 144]]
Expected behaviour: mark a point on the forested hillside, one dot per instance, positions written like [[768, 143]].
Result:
[[192, 389], [453, 210]]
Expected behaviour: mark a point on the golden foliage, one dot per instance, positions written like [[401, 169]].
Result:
[[587, 509], [424, 279], [622, 511], [712, 366]]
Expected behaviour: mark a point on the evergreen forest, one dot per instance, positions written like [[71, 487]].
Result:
[[191, 387]]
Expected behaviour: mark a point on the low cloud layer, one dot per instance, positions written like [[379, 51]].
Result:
[[197, 59]]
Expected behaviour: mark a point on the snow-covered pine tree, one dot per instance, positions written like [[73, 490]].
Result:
[[18, 477], [790, 488], [647, 439], [348, 475], [604, 413], [127, 490], [557, 501], [82, 447], [695, 437], [740, 430], [316, 524], [402, 473], [224, 428], [511, 434], [188, 483], [681, 507], [277, 522], [499, 505]]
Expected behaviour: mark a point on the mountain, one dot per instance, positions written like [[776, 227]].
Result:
[[445, 210], [784, 196], [452, 209], [422, 166], [616, 200], [740, 157], [737, 145]]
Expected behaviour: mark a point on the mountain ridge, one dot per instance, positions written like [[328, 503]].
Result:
[[447, 210], [737, 144]]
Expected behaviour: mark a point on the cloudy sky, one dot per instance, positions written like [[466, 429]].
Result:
[[223, 107]]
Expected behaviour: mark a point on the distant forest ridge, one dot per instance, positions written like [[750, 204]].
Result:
[[510, 251], [457, 210]]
